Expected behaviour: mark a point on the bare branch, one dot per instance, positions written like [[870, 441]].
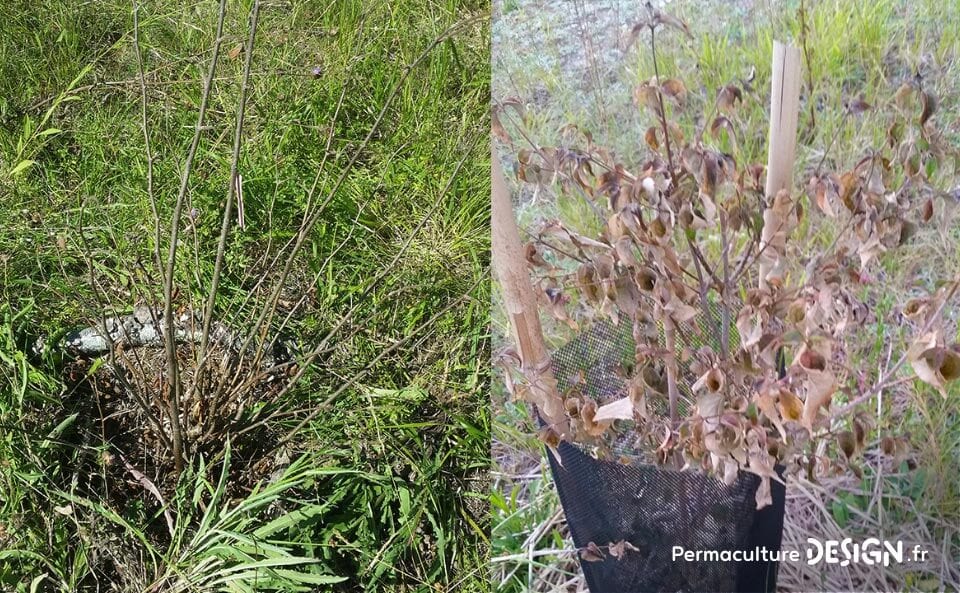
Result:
[[231, 192], [173, 371]]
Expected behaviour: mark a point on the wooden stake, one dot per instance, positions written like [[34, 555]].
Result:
[[784, 110], [520, 301], [782, 145]]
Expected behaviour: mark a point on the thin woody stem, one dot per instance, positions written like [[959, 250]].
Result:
[[173, 369], [885, 380], [231, 195], [663, 113]]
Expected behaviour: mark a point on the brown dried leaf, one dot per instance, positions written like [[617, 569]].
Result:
[[676, 133], [532, 254], [582, 175], [916, 309], [820, 386], [651, 138], [646, 279], [638, 395], [646, 95], [616, 227], [635, 33], [709, 174], [755, 174], [927, 210], [625, 252], [797, 311], [728, 97], [588, 283], [713, 381], [869, 250], [721, 123], [859, 433], [558, 309], [674, 89], [619, 549], [627, 298], [929, 104], [749, 327], [666, 445], [895, 133], [591, 553], [849, 183], [886, 443], [848, 443], [777, 224], [582, 242], [572, 130], [692, 160], [709, 208], [858, 106], [659, 230], [654, 378], [588, 413], [825, 191], [875, 183], [904, 96], [762, 464], [734, 215], [934, 364], [672, 21], [689, 219], [812, 360], [679, 311], [790, 405], [497, 128], [551, 438], [767, 405]]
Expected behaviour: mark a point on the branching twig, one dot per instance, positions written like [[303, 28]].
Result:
[[833, 139], [231, 192], [883, 381], [146, 137], [804, 31], [725, 288], [663, 113], [173, 371], [311, 218]]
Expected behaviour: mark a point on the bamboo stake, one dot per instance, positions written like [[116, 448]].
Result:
[[510, 269], [781, 149], [784, 111]]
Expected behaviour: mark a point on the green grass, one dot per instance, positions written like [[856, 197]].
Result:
[[380, 491]]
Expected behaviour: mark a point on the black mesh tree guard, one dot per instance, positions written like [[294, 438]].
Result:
[[655, 508]]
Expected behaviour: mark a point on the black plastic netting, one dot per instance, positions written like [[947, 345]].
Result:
[[656, 509]]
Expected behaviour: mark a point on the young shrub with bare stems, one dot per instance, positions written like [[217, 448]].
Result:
[[300, 235]]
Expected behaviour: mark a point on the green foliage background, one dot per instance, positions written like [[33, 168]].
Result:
[[389, 480]]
